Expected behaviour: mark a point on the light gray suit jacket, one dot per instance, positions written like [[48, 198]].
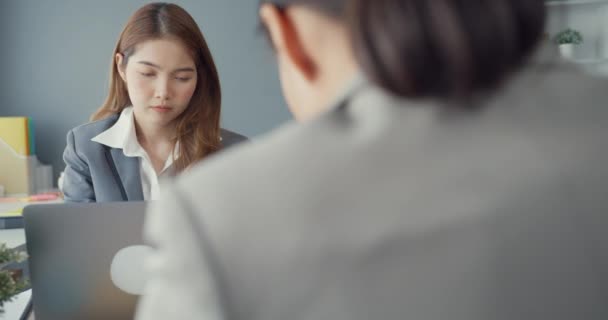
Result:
[[97, 173], [390, 209]]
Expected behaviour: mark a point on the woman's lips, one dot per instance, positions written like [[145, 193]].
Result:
[[161, 109]]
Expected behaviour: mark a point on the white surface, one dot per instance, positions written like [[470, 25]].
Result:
[[566, 50], [127, 269], [14, 309], [11, 206], [12, 237]]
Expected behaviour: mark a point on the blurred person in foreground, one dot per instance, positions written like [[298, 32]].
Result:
[[442, 167]]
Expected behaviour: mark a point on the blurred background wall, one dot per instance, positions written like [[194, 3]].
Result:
[[56, 56]]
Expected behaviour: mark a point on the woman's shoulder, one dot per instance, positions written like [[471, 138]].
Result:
[[89, 130]]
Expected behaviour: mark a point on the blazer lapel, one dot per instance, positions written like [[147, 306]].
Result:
[[126, 173]]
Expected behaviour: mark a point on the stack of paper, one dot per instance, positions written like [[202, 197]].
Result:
[[11, 208]]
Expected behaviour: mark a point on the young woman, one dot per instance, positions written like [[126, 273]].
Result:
[[161, 115]]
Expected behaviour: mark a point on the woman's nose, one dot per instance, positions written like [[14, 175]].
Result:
[[162, 90]]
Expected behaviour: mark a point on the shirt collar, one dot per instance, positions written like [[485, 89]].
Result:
[[122, 135]]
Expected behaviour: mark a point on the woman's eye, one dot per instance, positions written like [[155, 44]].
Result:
[[183, 79], [147, 74]]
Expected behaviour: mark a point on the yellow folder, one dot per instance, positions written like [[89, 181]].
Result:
[[15, 155]]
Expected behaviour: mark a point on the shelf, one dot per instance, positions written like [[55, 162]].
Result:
[[574, 2], [590, 61]]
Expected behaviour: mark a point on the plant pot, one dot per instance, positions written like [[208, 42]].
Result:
[[567, 51]]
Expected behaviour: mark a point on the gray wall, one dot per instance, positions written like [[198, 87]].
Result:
[[56, 56]]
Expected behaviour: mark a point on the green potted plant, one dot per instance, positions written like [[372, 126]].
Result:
[[566, 40], [11, 279]]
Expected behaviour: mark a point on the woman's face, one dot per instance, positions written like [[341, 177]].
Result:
[[161, 79]]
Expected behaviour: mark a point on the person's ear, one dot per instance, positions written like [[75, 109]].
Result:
[[119, 66], [284, 36]]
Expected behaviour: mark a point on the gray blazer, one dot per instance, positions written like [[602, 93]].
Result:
[[385, 208], [98, 173]]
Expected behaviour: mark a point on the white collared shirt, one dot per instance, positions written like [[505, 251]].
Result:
[[122, 136]]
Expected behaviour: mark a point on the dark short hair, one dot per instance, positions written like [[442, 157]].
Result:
[[437, 48], [334, 8]]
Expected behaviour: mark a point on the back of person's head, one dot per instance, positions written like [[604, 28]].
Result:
[[198, 126], [434, 48]]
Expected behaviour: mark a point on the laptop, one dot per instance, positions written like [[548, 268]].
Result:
[[85, 260]]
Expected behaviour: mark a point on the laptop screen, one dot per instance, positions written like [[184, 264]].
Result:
[[85, 260]]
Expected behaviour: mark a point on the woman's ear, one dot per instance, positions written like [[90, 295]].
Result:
[[119, 66], [285, 38], [270, 16]]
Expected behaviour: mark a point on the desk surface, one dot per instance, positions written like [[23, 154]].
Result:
[[12, 237]]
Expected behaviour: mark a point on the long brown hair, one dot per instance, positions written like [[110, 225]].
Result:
[[198, 127]]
